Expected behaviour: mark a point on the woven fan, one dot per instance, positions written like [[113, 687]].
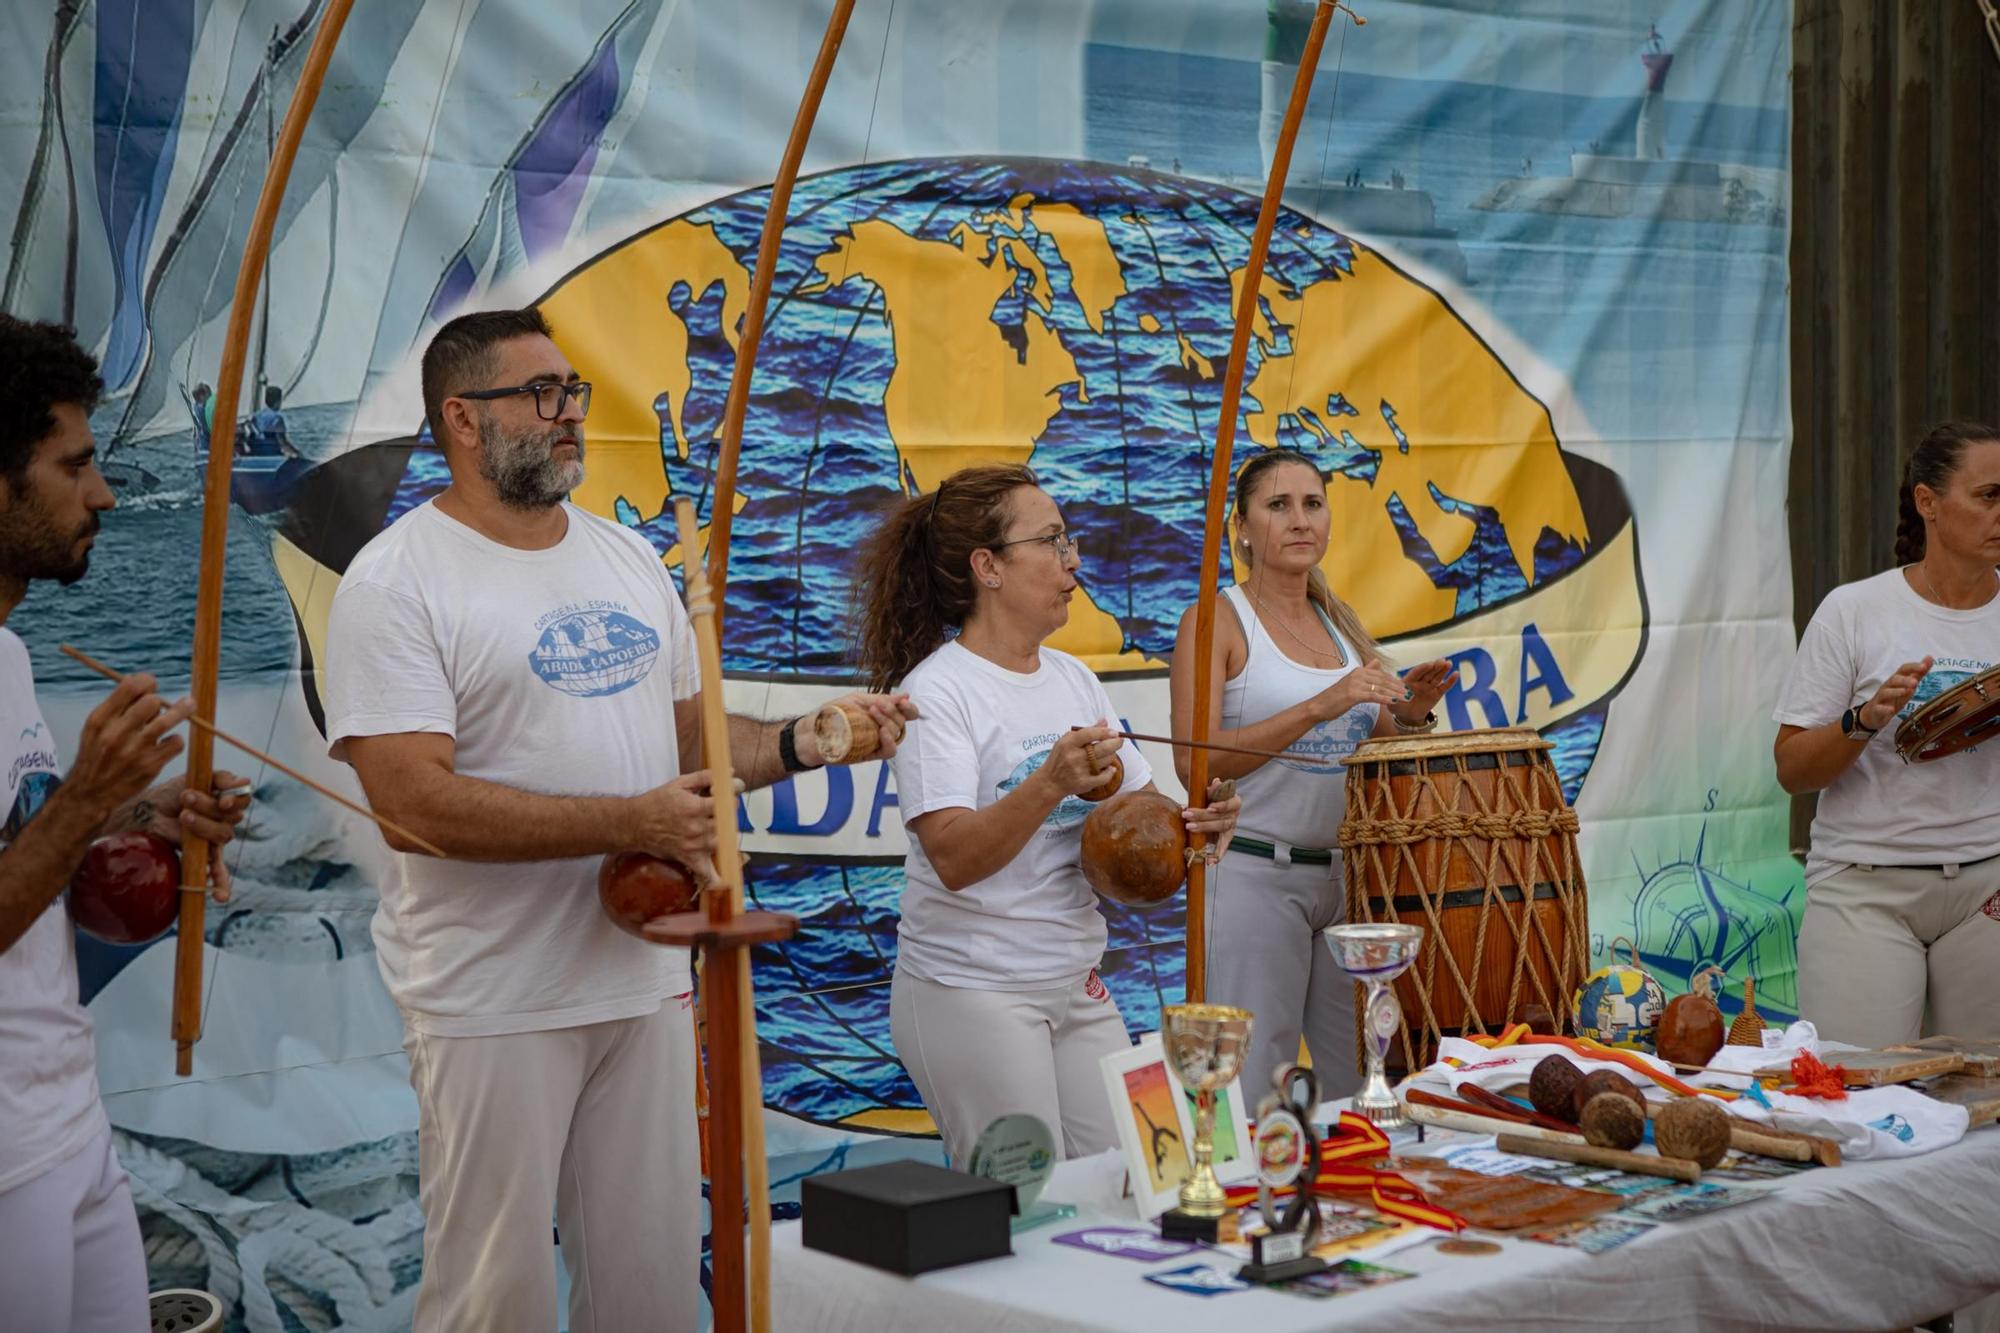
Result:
[[1748, 1029]]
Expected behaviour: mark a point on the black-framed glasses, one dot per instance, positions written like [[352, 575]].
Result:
[[551, 396], [1061, 543]]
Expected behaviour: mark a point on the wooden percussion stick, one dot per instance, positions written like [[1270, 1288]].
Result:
[[1445, 1117], [1228, 749], [1639, 1164], [111, 674]]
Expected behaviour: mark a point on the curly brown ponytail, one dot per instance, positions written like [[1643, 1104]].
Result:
[[913, 582], [1932, 463]]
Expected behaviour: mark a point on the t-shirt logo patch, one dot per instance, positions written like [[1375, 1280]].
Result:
[[1069, 812], [34, 793], [593, 653]]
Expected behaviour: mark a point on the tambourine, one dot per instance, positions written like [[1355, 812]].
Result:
[[1958, 719]]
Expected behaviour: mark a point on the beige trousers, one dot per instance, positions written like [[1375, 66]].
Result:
[[976, 1055], [593, 1126], [1891, 953]]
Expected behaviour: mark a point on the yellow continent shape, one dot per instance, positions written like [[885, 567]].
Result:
[[1374, 336], [613, 322], [960, 394]]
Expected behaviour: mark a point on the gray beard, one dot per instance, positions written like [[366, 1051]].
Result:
[[523, 468]]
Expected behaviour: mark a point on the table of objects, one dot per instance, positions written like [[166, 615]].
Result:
[[1865, 1245]]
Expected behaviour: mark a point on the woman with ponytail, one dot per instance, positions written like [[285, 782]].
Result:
[[1294, 670], [1902, 925], [996, 1006]]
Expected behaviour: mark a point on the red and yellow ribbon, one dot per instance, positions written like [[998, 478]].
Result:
[[1354, 1141], [1597, 1050]]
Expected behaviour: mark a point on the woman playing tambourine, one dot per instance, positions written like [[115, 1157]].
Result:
[[1902, 924]]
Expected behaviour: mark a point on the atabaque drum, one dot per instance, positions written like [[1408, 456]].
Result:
[[1467, 834], [1957, 719]]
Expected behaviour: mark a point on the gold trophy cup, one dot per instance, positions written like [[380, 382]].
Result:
[[1205, 1045]]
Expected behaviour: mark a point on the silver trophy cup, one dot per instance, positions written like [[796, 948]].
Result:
[[1376, 955]]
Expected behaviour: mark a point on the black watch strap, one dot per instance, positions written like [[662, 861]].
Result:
[[788, 749], [1850, 726]]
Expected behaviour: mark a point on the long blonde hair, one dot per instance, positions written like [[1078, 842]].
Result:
[[1318, 591]]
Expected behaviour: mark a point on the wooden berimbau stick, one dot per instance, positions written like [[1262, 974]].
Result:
[[1228, 749], [724, 932], [111, 673]]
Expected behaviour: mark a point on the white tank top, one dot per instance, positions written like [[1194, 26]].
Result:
[[1300, 803]]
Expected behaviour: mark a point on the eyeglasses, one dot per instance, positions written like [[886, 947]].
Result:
[[1061, 543], [551, 397]]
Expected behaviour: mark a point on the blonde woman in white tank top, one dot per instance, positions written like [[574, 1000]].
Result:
[[1294, 671]]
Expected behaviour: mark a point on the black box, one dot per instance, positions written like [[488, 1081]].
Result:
[[907, 1217]]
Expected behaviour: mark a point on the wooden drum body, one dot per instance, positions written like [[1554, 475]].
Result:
[[1467, 834]]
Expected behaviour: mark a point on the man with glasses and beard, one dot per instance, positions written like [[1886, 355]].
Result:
[[513, 679], [70, 1256]]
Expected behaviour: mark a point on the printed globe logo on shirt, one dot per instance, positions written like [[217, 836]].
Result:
[[1069, 812], [34, 791], [1330, 741], [594, 650], [1946, 673]]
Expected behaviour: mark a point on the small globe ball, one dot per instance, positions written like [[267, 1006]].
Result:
[[128, 888], [635, 887], [1135, 848]]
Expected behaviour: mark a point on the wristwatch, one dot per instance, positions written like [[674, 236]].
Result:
[[788, 749], [1850, 726]]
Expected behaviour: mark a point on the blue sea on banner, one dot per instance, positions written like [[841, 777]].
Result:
[[1128, 466]]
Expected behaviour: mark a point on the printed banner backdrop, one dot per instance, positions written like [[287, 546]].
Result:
[[1526, 308]]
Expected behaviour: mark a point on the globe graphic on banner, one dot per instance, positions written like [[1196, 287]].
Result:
[[932, 314]]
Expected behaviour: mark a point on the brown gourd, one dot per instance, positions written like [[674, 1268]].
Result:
[[1691, 1031], [1694, 1128], [1605, 1080], [1612, 1121], [1552, 1087], [1135, 848]]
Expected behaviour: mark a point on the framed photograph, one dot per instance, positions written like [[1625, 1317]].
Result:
[[1145, 1102], [1235, 1160]]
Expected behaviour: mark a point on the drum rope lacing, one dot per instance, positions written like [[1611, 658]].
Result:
[[1530, 818]]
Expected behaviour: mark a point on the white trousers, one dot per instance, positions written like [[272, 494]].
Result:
[[70, 1257], [976, 1055], [592, 1125], [1265, 954], [1891, 953]]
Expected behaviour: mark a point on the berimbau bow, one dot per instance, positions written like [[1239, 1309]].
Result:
[[722, 508], [1218, 484], [743, 1063], [205, 667]]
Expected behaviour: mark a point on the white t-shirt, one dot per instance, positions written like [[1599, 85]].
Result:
[[554, 671], [1034, 923], [1882, 811], [48, 1063]]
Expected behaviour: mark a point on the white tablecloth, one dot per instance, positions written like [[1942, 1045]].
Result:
[[1863, 1246]]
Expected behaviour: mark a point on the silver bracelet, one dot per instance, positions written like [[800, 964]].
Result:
[[1415, 728]]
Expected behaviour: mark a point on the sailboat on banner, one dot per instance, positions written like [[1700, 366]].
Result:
[[267, 464]]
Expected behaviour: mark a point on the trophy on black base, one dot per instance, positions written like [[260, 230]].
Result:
[[1205, 1045], [1287, 1154]]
